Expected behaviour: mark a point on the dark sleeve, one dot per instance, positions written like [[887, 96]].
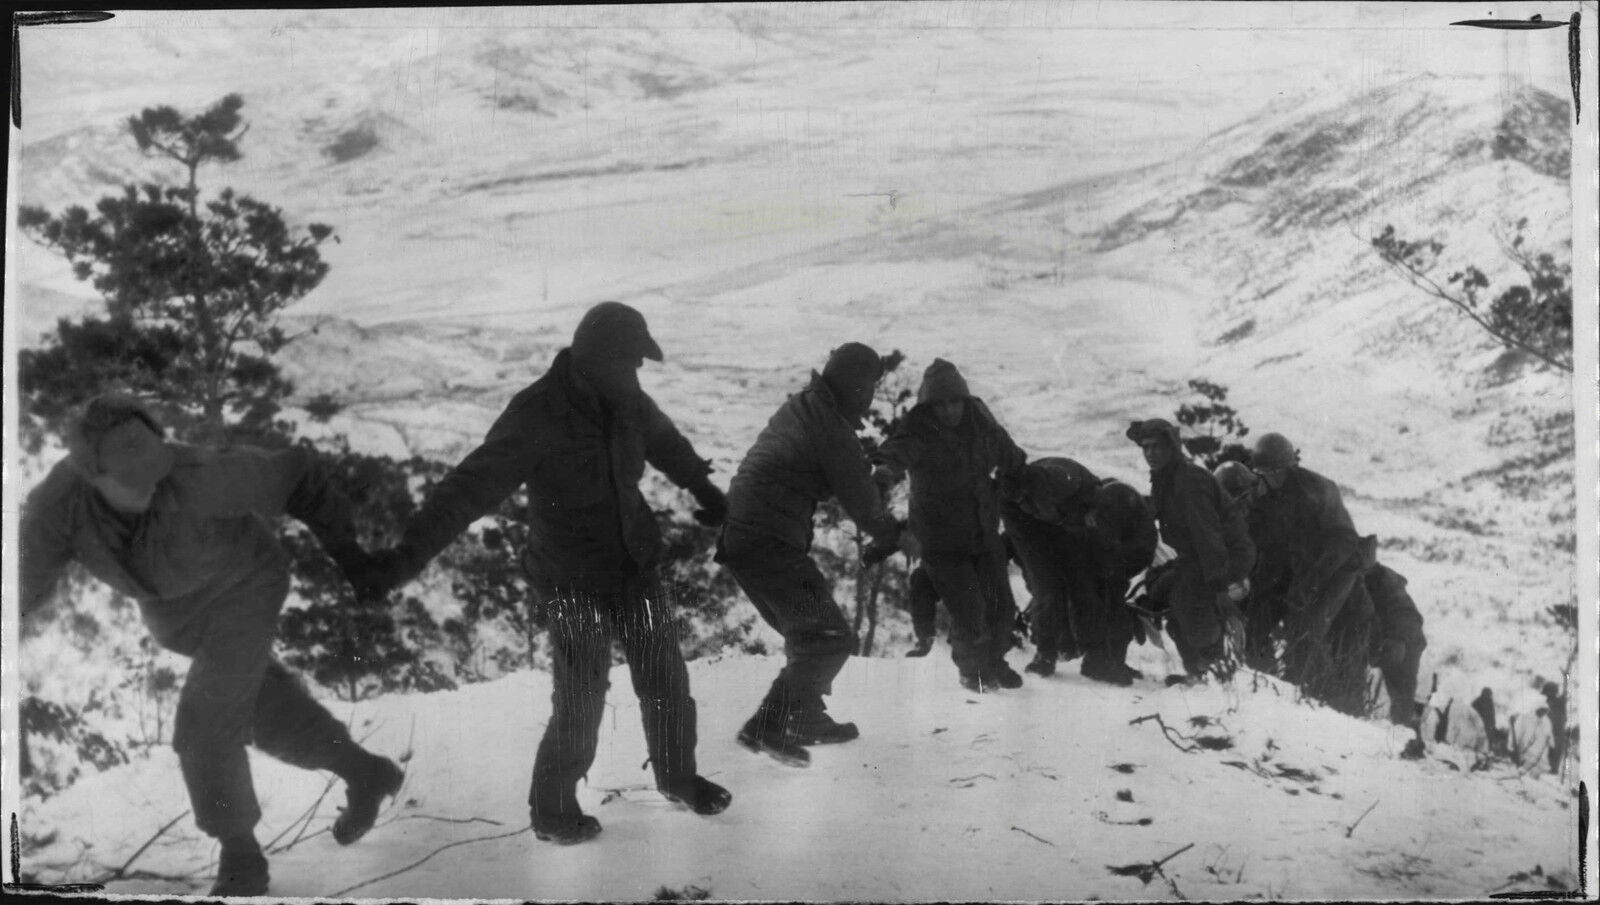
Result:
[[476, 486], [1010, 458], [44, 539], [670, 452], [1197, 498], [901, 452], [849, 476], [318, 503]]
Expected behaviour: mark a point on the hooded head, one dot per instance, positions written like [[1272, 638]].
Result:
[[852, 374], [944, 391], [117, 444], [1158, 439], [608, 348]]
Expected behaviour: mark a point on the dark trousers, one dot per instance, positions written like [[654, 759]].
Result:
[[981, 611], [237, 694], [1075, 606], [922, 600], [1196, 620], [791, 594], [581, 624], [1333, 669]]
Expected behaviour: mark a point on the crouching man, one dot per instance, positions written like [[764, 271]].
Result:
[[807, 453], [186, 532], [1081, 540]]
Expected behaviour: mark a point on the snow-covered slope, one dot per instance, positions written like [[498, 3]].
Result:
[[947, 796]]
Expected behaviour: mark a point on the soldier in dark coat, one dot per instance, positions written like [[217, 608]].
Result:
[[1397, 640], [1240, 487], [1081, 540], [807, 453], [187, 533], [953, 449], [1311, 563], [579, 437], [1189, 507]]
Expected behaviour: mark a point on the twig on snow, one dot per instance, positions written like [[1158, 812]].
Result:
[[1171, 735], [447, 819], [122, 871], [425, 858], [966, 782], [302, 821], [1147, 870], [1031, 835], [1350, 830]]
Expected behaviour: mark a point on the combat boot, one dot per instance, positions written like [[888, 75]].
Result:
[[699, 794], [565, 829], [769, 732], [976, 683], [365, 790], [813, 726], [1041, 665], [242, 869], [1102, 667], [1005, 677], [920, 648]]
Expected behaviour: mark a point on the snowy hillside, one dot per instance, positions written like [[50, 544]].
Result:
[[947, 796], [1084, 209]]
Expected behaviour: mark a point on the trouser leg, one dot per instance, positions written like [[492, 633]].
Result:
[[794, 598], [660, 679], [1194, 612], [580, 666], [923, 603], [1099, 620], [1000, 609], [217, 707], [960, 587], [295, 728], [1043, 561]]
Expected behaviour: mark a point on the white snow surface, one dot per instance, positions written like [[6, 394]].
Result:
[[947, 796], [1038, 192]]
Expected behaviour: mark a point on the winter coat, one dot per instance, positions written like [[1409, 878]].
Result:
[[1188, 503], [582, 462], [207, 529], [955, 507], [1396, 613], [1307, 540], [807, 453]]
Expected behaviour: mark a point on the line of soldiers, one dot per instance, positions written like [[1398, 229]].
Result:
[[186, 532]]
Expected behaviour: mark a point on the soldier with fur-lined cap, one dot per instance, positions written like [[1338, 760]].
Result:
[[1081, 540], [579, 438], [807, 453], [1189, 508], [955, 450], [187, 532]]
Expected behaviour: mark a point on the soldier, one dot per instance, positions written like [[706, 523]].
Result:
[[1189, 505], [579, 437], [1397, 640], [1312, 561], [952, 447], [807, 452], [1240, 487], [1081, 540], [186, 532]]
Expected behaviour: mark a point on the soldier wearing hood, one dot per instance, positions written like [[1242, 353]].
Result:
[[1189, 507], [1397, 640], [807, 453], [579, 437], [954, 449], [1309, 575], [187, 532], [1081, 540]]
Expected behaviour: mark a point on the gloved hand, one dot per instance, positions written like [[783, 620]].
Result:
[[713, 505], [880, 550], [1239, 590], [885, 477], [375, 575], [1010, 487]]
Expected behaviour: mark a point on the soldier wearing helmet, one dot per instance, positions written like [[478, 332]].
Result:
[[1311, 563]]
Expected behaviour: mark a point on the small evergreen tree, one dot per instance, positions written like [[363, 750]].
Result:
[[192, 289], [1222, 427]]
